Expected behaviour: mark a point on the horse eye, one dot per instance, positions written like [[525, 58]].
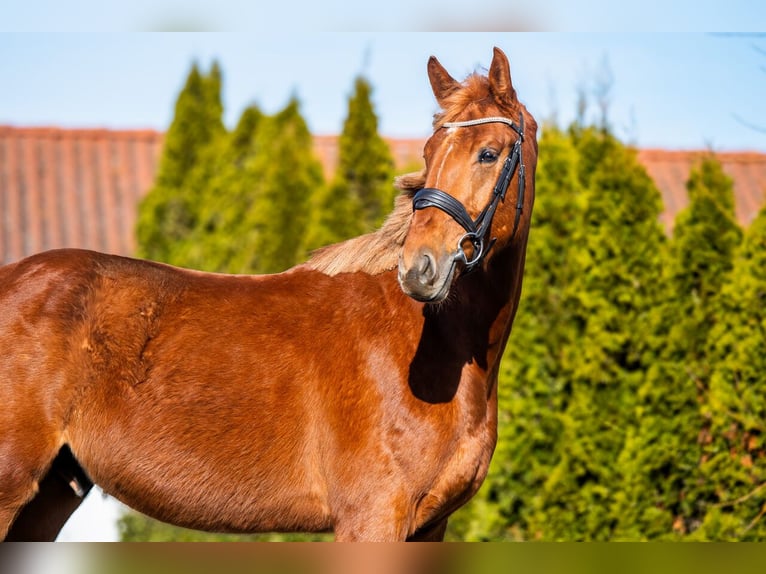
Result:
[[487, 156]]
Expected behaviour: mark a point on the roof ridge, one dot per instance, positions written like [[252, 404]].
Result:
[[59, 132], [742, 156], [92, 132]]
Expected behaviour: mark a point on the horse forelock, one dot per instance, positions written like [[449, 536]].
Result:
[[474, 92]]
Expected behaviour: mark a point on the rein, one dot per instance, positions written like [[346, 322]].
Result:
[[477, 229]]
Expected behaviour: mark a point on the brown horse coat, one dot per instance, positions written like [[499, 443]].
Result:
[[322, 398]]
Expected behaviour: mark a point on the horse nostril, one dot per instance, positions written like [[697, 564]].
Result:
[[427, 269]]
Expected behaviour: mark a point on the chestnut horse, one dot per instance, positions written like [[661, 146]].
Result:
[[355, 393]]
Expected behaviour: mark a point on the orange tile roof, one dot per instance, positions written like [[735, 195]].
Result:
[[81, 187], [670, 171], [72, 188], [406, 152]]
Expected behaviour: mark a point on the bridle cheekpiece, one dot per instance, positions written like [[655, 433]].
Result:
[[476, 229]]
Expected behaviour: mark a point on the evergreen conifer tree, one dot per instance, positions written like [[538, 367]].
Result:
[[286, 176], [660, 497], [168, 212], [733, 462], [616, 255], [365, 163], [222, 239], [336, 215]]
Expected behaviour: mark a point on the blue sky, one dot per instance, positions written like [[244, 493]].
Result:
[[670, 90]]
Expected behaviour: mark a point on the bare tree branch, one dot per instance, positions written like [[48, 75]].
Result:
[[741, 499], [752, 126], [762, 51]]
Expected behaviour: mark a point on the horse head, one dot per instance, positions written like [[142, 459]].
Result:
[[474, 197]]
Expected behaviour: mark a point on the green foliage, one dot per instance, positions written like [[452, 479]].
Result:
[[287, 175], [663, 489], [617, 258], [230, 202], [223, 238], [365, 163], [135, 527], [335, 215], [733, 463], [631, 393], [362, 192], [197, 126]]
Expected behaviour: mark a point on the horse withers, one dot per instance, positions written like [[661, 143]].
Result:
[[355, 393]]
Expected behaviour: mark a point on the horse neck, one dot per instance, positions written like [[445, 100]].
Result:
[[485, 304], [501, 283]]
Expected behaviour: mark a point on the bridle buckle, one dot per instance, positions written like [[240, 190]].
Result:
[[478, 249]]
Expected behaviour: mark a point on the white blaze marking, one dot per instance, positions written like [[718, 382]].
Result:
[[444, 160]]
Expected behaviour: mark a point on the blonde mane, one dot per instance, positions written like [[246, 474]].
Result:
[[374, 252]]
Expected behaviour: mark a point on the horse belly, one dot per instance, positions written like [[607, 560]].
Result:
[[199, 472], [219, 508]]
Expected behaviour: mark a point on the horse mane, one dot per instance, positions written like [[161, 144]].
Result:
[[378, 251], [375, 252]]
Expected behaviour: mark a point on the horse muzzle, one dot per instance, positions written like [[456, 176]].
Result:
[[427, 278]]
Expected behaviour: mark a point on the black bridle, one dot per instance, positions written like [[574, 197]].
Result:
[[477, 229]]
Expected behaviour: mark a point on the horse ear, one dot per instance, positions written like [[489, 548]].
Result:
[[500, 85], [441, 82]]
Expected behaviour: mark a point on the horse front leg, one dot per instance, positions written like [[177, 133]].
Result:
[[431, 533], [378, 517], [26, 453], [370, 529], [60, 493], [383, 523]]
